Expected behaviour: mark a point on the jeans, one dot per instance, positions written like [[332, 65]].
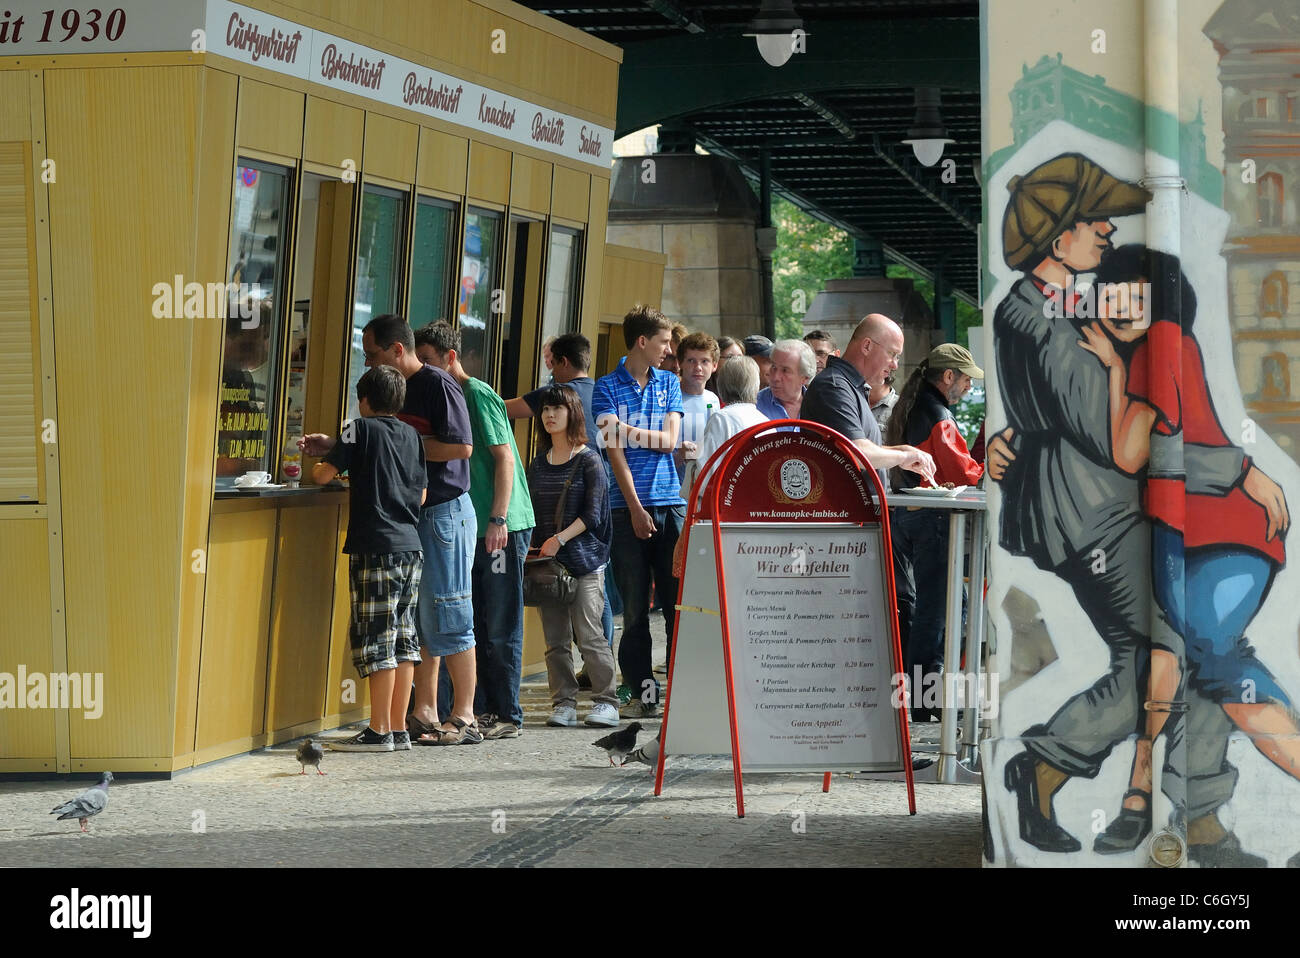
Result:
[[635, 562], [1210, 604], [925, 533], [607, 617], [445, 614], [499, 627]]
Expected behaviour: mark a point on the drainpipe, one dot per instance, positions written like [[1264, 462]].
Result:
[[1164, 232]]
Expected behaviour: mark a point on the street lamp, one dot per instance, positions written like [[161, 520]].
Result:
[[928, 136], [774, 30]]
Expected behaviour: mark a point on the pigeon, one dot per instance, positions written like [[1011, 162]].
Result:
[[309, 753], [86, 805], [617, 744], [647, 754]]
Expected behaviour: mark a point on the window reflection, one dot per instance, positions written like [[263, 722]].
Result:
[[380, 253], [250, 368], [480, 299], [432, 262]]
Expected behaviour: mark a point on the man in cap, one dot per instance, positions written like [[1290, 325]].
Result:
[[1066, 507], [759, 349], [920, 536]]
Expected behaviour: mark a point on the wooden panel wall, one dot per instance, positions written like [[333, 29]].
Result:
[[333, 133], [232, 675], [571, 195], [593, 255], [489, 173], [342, 680], [444, 161], [302, 615], [120, 436], [390, 147], [26, 734], [216, 170], [20, 384], [530, 185], [629, 276], [270, 118]]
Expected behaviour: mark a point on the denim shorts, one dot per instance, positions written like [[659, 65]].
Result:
[[445, 616]]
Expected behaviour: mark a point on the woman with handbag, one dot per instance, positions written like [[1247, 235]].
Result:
[[571, 501]]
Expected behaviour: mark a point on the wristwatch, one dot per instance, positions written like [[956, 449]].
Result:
[[498, 520], [560, 539]]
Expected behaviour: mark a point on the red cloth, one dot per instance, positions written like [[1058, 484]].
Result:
[[1234, 519], [952, 461], [979, 450]]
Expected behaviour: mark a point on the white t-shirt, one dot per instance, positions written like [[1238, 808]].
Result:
[[695, 416], [723, 424]]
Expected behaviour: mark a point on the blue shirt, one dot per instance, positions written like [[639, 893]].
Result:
[[769, 405], [653, 474]]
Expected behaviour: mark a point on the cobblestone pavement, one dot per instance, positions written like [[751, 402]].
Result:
[[545, 798]]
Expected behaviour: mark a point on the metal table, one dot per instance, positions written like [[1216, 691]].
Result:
[[950, 769]]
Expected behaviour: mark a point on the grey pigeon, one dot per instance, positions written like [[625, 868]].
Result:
[[309, 753], [617, 744], [86, 805], [647, 754]]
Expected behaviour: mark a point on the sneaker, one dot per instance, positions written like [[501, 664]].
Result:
[[502, 729], [624, 694], [602, 714], [367, 741], [402, 741], [563, 716], [639, 710]]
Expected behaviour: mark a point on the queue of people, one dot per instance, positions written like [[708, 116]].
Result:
[[445, 513]]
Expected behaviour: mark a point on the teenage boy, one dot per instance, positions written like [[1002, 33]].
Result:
[[385, 461], [638, 410], [697, 358], [504, 511]]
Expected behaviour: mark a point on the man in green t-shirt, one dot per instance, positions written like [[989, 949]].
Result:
[[499, 491]]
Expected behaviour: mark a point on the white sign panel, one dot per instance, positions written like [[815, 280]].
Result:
[[810, 642], [117, 26]]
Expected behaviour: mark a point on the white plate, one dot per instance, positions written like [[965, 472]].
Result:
[[260, 485], [935, 493]]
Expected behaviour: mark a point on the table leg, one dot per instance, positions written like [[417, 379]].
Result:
[[947, 772], [975, 638]]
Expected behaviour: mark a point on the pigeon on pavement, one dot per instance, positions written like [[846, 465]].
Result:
[[617, 744], [647, 754], [309, 753], [86, 805]]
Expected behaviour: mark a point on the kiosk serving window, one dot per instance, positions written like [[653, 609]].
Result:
[[381, 253], [433, 261], [560, 314], [254, 307], [480, 279]]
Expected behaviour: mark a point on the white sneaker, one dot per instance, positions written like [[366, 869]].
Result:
[[563, 716], [602, 714]]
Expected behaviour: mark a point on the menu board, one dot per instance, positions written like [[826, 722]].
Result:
[[810, 644]]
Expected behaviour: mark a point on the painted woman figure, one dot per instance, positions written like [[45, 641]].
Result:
[[1214, 556]]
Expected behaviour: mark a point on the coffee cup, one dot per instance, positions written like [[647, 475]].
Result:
[[253, 479]]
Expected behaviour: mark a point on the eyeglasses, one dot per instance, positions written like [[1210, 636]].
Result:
[[896, 357]]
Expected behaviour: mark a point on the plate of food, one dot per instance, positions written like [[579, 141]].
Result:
[[945, 490]]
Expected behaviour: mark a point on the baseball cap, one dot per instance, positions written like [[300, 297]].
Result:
[[757, 346], [952, 356]]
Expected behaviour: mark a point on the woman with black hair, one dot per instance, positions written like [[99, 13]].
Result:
[[568, 479], [1214, 555]]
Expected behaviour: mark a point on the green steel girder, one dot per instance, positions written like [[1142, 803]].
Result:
[[676, 76]]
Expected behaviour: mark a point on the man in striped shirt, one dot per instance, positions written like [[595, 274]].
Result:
[[638, 409]]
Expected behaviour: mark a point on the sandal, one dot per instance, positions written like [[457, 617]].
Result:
[[419, 730], [467, 733]]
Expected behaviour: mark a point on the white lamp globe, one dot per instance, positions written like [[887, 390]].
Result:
[[775, 48], [928, 152]]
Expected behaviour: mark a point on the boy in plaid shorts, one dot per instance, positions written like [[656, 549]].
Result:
[[384, 459]]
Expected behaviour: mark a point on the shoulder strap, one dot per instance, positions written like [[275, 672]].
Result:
[[564, 494]]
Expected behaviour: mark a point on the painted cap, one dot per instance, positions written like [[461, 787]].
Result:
[[1049, 199], [757, 346], [952, 356]]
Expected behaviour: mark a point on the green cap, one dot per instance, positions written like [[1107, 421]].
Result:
[[952, 356]]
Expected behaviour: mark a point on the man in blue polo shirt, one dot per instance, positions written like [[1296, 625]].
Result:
[[638, 409]]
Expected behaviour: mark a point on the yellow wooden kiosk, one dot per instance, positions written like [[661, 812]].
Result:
[[201, 204]]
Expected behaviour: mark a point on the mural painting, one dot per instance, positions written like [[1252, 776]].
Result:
[[1140, 421]]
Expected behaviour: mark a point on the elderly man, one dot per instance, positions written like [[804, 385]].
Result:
[[823, 347], [840, 396], [792, 368]]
